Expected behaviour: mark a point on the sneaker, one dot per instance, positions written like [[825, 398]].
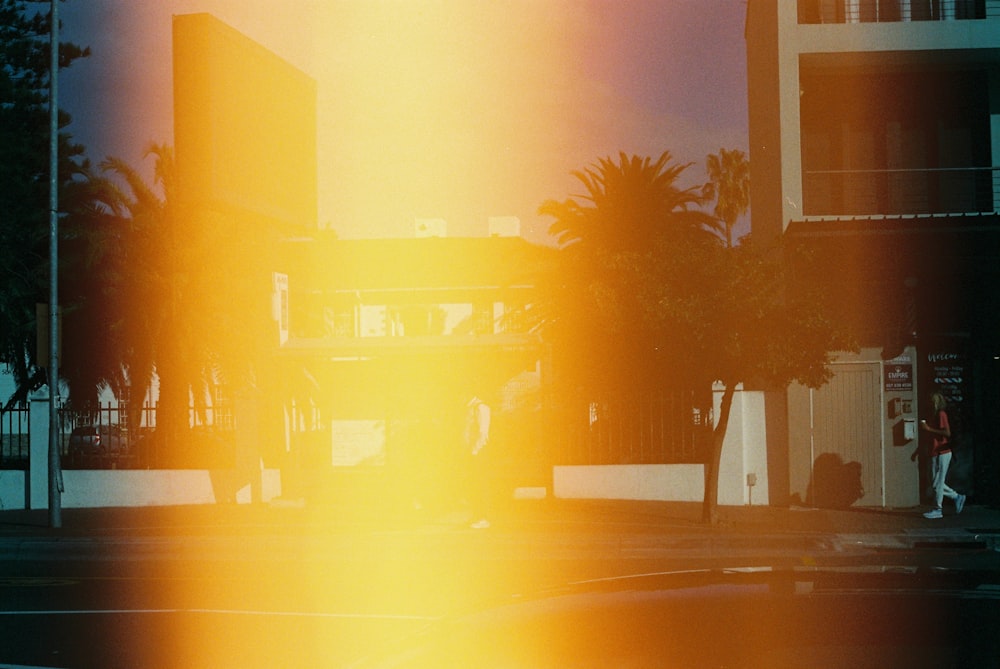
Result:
[[933, 513], [480, 524], [959, 503]]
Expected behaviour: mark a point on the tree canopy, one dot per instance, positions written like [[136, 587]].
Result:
[[24, 179], [191, 286], [617, 243], [651, 295]]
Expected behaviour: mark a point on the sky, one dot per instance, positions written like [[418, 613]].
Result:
[[452, 109]]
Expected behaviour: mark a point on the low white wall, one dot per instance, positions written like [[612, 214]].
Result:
[[744, 452], [669, 483], [11, 489], [97, 488], [89, 488], [140, 487]]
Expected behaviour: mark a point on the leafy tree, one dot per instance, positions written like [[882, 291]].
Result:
[[729, 185], [744, 320], [24, 179], [650, 296]]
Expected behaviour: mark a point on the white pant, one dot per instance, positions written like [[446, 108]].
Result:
[[939, 471]]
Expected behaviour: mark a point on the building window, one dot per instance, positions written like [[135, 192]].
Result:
[[924, 149]]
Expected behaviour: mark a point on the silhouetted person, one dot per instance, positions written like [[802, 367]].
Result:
[[479, 456]]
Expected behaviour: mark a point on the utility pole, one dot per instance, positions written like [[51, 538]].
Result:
[[55, 466]]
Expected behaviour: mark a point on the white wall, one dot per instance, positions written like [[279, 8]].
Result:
[[675, 483], [11, 489], [124, 487], [141, 487], [744, 451]]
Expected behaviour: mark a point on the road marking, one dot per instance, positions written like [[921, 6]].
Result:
[[34, 582], [241, 612]]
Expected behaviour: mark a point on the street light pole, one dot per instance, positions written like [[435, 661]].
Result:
[[55, 467]]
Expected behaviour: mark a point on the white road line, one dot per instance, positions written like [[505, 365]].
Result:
[[302, 614]]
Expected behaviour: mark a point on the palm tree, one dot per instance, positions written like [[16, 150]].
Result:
[[620, 244], [154, 280], [194, 286], [655, 295], [628, 205], [729, 186], [91, 248]]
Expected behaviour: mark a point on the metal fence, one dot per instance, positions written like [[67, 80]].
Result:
[[15, 432], [652, 428], [638, 428], [101, 438]]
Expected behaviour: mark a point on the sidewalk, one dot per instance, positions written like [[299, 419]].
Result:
[[640, 517], [650, 535]]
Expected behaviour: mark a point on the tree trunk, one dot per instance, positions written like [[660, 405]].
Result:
[[709, 514]]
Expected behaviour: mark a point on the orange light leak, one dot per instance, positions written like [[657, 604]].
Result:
[[411, 110], [448, 110]]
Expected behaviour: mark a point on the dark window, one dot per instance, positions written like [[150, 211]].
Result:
[[920, 150]]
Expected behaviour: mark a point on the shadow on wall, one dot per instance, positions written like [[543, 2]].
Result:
[[835, 484]]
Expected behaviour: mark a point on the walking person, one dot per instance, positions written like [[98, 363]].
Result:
[[478, 456], [940, 455]]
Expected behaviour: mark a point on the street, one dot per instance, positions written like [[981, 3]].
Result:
[[238, 588]]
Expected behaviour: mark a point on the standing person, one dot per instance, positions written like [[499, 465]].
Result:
[[478, 455], [940, 454]]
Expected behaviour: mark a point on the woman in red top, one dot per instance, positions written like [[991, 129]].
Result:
[[940, 453]]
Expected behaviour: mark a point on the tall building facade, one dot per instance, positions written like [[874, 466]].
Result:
[[875, 141]]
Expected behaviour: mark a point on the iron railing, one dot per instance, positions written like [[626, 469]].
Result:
[[638, 428], [209, 441], [959, 190], [15, 433], [649, 428], [894, 11]]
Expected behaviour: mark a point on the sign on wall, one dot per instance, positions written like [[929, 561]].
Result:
[[948, 376], [899, 374]]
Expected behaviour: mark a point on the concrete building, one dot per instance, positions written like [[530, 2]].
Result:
[[387, 341], [875, 140]]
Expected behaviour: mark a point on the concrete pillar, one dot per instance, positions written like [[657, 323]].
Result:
[[37, 482], [248, 448]]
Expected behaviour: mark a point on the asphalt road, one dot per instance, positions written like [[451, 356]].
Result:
[[265, 593], [190, 612]]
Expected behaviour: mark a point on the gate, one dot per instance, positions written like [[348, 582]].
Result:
[[848, 464]]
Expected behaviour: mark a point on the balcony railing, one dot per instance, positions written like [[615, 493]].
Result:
[[959, 190], [891, 11]]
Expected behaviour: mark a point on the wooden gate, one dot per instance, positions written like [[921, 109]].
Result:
[[848, 465]]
